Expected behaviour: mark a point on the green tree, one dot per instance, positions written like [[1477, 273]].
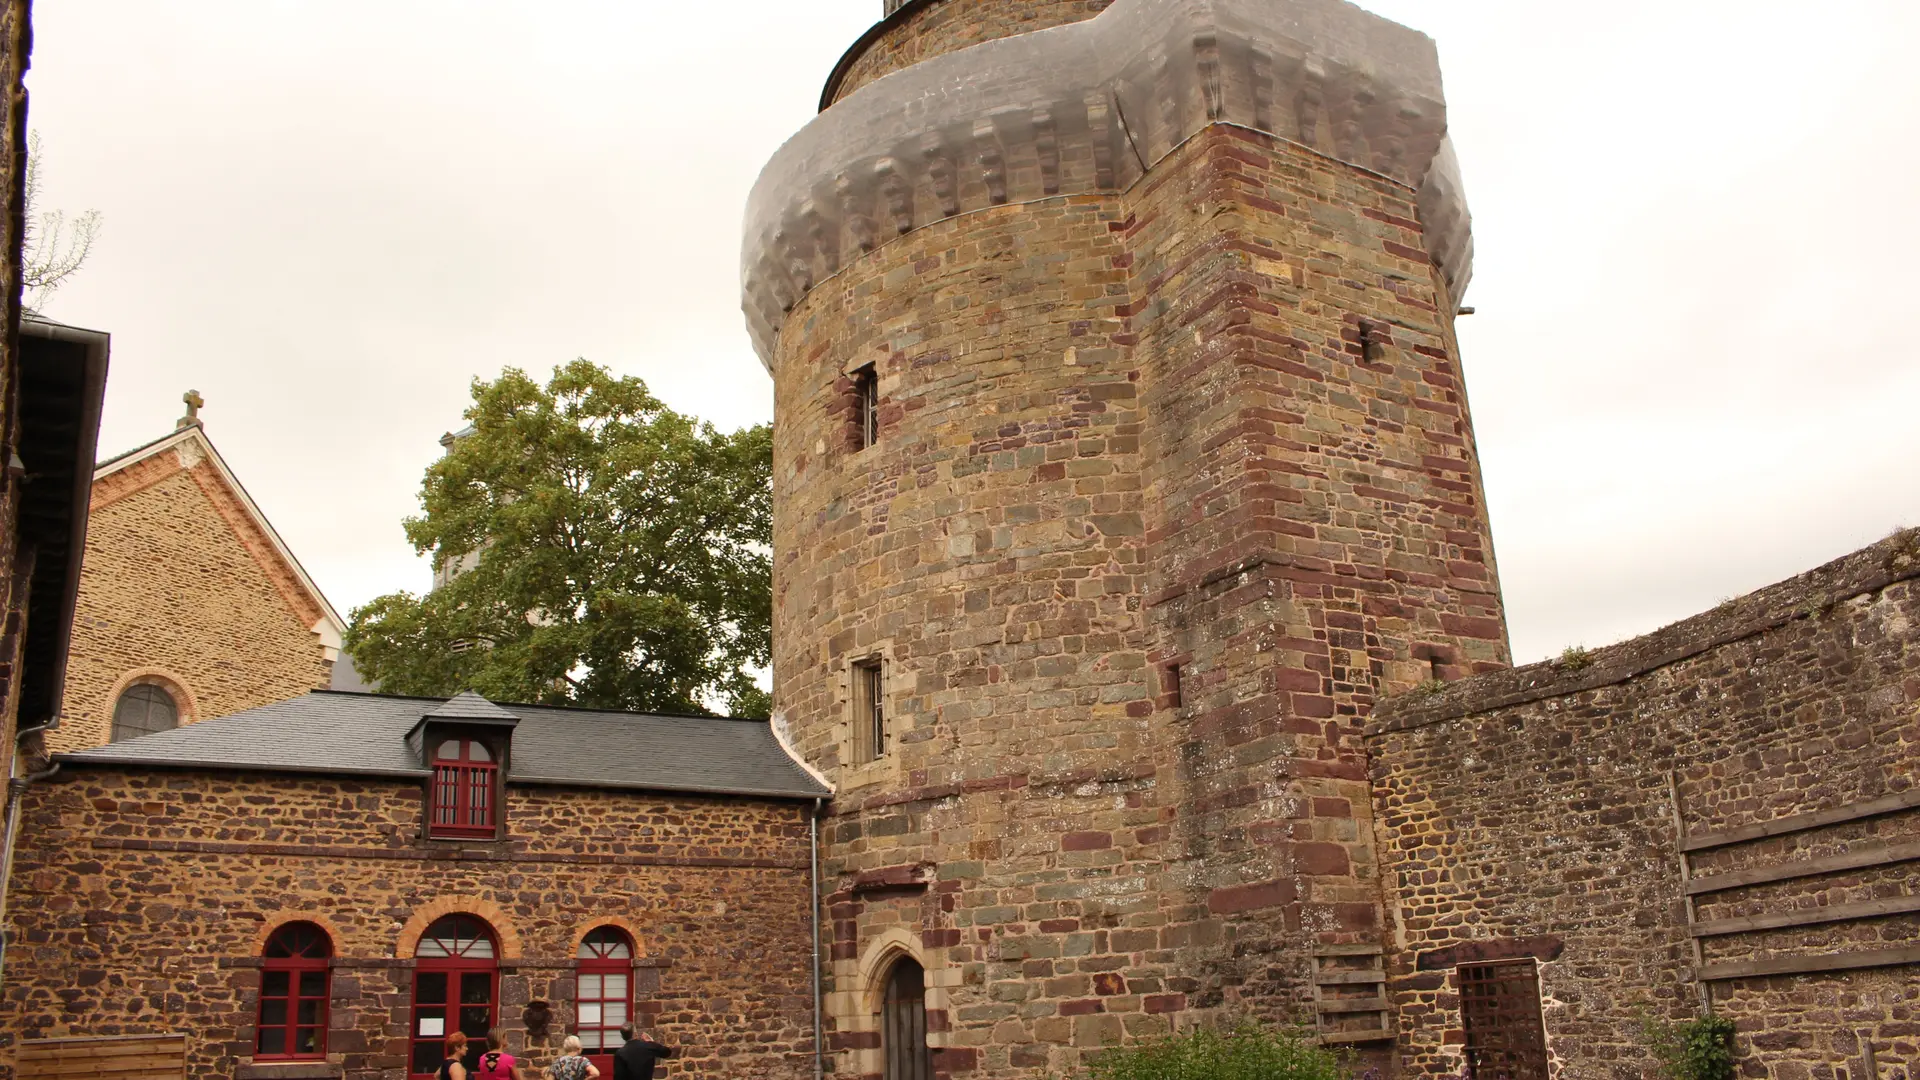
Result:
[[615, 555]]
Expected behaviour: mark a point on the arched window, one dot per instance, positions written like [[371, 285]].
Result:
[[903, 1023], [143, 709], [464, 771], [456, 987], [605, 993], [293, 994]]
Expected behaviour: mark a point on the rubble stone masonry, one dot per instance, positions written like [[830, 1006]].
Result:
[[141, 900], [1541, 812], [179, 587], [1169, 487]]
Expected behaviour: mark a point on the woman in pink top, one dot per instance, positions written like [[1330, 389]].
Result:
[[496, 1063]]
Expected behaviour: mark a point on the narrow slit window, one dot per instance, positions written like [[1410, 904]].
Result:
[[866, 391], [869, 712], [1170, 686]]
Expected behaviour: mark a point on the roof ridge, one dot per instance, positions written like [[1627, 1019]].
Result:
[[552, 708]]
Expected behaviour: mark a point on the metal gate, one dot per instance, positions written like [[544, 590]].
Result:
[[903, 1023], [1506, 1036]]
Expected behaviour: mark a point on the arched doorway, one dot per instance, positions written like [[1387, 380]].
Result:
[[456, 987], [903, 1023]]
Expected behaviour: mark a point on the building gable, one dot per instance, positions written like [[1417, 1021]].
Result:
[[187, 587]]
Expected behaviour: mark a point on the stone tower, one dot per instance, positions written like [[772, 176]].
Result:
[[1122, 461]]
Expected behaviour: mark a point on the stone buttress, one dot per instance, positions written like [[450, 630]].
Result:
[[1174, 477]]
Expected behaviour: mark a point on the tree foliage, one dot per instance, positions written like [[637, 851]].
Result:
[[1247, 1052], [619, 556]]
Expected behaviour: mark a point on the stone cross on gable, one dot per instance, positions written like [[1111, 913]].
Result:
[[194, 401]]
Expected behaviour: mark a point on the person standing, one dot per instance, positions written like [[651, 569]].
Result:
[[571, 1065], [454, 1068], [496, 1063], [636, 1059]]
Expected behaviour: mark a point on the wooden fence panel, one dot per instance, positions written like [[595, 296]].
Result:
[[109, 1057]]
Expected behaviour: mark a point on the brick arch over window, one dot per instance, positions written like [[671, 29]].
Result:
[[632, 929], [276, 921], [183, 699], [423, 916]]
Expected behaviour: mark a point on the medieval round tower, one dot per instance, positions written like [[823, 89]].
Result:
[[1122, 461]]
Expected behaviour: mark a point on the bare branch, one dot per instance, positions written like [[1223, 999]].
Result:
[[56, 248]]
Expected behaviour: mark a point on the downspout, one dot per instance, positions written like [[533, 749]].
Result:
[[813, 853], [16, 787]]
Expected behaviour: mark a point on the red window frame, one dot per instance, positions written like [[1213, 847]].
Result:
[[295, 983], [465, 794], [606, 952], [471, 962]]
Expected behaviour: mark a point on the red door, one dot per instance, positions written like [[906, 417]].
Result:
[[455, 988]]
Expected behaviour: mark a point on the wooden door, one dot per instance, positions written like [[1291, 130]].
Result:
[[903, 1024]]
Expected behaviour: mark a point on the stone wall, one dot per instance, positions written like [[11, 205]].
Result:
[[1533, 812], [180, 588], [141, 901], [16, 35], [1121, 435], [943, 26], [1318, 538]]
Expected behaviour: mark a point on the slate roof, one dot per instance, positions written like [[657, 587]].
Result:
[[340, 733]]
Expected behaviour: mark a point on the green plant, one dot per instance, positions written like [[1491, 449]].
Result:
[[1700, 1049], [1431, 686], [1247, 1052], [1575, 657]]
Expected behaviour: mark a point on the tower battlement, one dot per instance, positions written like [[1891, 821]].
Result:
[[1092, 107]]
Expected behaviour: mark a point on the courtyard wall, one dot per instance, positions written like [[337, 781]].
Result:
[[1541, 812]]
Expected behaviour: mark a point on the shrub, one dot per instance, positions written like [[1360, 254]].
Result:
[[1699, 1049], [1576, 657], [1243, 1053]]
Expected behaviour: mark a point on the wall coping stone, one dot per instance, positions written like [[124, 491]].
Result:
[[1809, 595]]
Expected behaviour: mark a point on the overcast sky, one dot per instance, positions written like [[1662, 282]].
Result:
[[1698, 237]]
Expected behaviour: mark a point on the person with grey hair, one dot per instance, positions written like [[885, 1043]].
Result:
[[572, 1066], [637, 1058]]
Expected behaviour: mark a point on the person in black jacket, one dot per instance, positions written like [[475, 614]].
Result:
[[636, 1059]]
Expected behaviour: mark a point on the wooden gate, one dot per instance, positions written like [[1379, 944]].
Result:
[[1506, 1036], [903, 1023], [109, 1057]]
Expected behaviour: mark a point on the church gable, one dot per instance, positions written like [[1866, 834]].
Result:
[[190, 605]]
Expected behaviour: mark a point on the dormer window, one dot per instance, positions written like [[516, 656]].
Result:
[[465, 791], [466, 746]]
